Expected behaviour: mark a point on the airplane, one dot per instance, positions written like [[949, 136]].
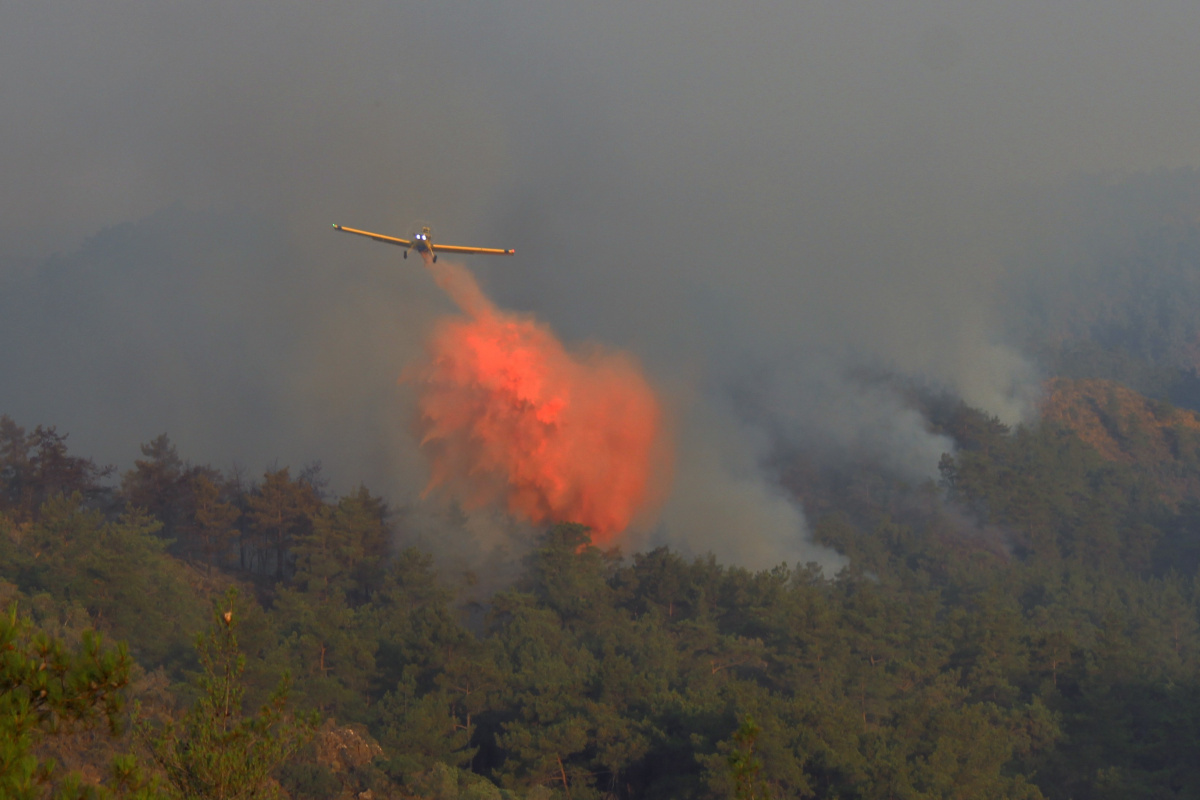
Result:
[[423, 244]]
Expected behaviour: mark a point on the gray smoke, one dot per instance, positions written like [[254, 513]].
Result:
[[769, 200]]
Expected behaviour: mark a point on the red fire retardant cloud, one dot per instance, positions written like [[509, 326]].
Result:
[[507, 415]]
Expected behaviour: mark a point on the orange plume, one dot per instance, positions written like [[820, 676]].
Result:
[[507, 414]]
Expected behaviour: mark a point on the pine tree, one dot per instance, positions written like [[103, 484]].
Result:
[[218, 751]]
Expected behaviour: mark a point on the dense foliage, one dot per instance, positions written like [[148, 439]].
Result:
[[1028, 628], [47, 687], [217, 751]]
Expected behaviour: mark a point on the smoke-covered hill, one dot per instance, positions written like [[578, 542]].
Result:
[[1110, 289]]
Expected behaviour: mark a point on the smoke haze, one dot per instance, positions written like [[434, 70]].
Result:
[[763, 202]]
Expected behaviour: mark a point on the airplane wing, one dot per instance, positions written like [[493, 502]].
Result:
[[379, 237], [452, 248]]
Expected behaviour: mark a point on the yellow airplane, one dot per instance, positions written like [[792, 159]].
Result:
[[423, 244]]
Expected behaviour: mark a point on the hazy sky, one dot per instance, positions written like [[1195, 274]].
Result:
[[756, 198]]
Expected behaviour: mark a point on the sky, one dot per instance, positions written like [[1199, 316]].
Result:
[[763, 202]]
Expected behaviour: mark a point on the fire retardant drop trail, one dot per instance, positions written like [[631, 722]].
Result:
[[506, 414]]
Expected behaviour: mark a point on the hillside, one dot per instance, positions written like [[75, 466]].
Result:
[[1029, 629], [1126, 427]]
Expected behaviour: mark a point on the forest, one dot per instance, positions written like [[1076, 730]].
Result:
[[1025, 626]]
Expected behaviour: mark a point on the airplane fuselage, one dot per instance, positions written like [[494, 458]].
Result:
[[424, 245]]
